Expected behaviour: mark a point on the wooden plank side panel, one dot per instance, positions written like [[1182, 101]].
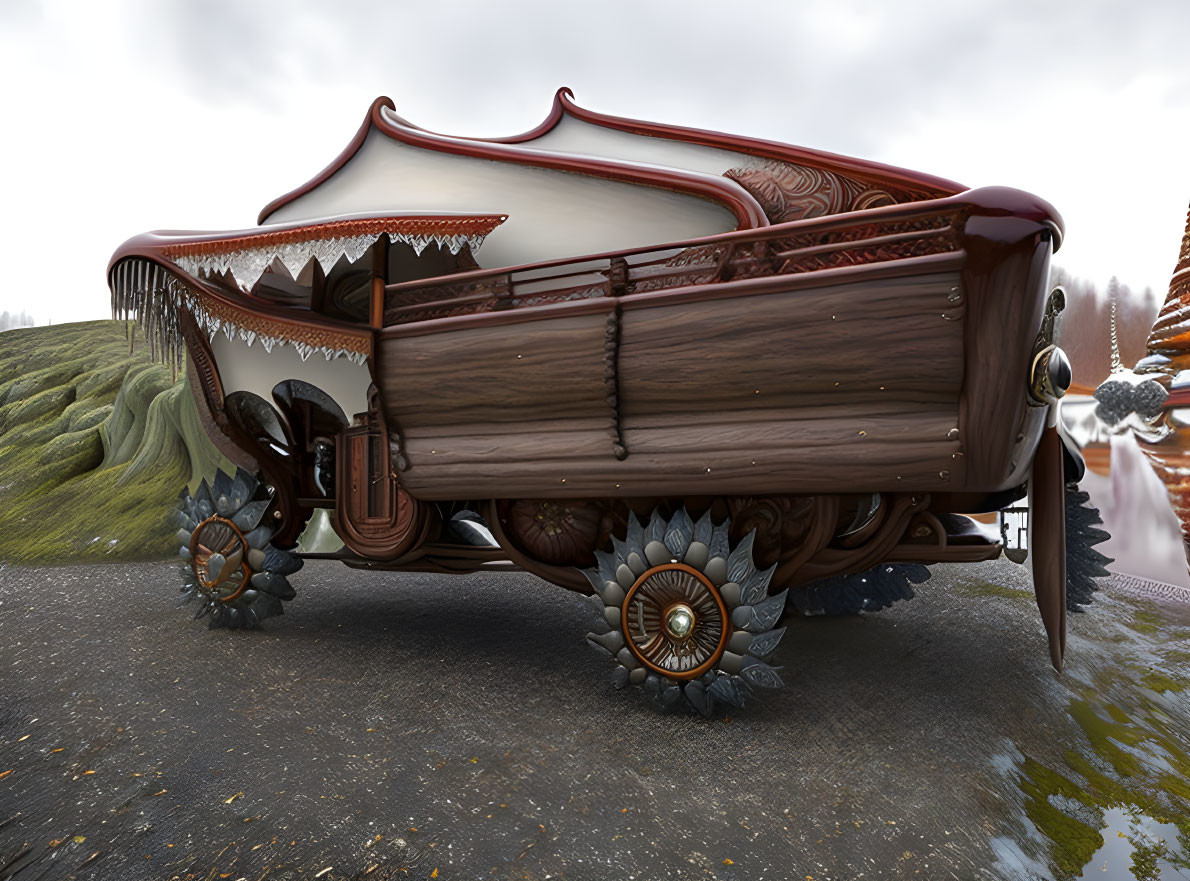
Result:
[[774, 350], [819, 468], [503, 375], [852, 388], [1006, 286]]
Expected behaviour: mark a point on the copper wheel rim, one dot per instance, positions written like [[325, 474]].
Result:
[[643, 615], [224, 537]]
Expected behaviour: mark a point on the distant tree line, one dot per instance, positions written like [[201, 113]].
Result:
[[9, 320], [1084, 328]]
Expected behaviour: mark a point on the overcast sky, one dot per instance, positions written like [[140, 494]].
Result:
[[130, 115]]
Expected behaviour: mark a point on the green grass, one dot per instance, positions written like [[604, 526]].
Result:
[[96, 442], [987, 589]]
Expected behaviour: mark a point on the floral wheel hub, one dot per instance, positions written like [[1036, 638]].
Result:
[[217, 550], [232, 569], [686, 615], [676, 621]]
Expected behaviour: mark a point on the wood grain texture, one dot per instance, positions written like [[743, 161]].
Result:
[[898, 376], [549, 370], [1005, 284], [714, 397], [773, 350]]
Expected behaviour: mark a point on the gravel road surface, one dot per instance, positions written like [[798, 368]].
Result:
[[422, 726]]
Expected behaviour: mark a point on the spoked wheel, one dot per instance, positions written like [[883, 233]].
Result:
[[231, 568], [687, 616]]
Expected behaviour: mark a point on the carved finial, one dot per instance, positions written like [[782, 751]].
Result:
[[1113, 292]]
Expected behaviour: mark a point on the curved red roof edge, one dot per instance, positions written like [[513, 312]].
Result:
[[172, 242], [727, 193], [926, 183], [564, 104], [338, 162]]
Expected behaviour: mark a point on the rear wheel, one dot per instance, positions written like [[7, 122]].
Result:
[[870, 591]]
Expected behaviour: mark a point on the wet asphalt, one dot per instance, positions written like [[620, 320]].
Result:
[[422, 726]]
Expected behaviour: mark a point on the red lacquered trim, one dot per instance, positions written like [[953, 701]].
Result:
[[927, 184], [187, 243], [748, 212], [338, 162]]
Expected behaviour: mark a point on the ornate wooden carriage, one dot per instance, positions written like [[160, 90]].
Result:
[[686, 372]]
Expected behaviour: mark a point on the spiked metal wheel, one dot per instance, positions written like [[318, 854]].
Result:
[[686, 615], [870, 591], [1084, 565], [230, 567]]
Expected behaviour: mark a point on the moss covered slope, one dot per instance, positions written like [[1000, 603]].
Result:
[[96, 441]]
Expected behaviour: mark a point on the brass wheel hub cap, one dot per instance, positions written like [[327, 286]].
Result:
[[217, 552], [675, 622]]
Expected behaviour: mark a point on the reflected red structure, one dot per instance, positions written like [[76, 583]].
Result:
[[1165, 436]]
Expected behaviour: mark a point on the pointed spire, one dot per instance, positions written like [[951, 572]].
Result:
[[1171, 331]]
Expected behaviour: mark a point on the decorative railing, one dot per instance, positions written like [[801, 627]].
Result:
[[848, 240]]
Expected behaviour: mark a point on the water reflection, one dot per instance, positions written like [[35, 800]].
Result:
[[1136, 845], [1146, 537], [1116, 803]]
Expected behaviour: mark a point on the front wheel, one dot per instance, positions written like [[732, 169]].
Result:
[[687, 617], [230, 566]]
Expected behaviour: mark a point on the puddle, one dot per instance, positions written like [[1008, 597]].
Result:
[[1137, 846], [1117, 803]]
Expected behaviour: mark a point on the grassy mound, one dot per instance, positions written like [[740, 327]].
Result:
[[96, 441]]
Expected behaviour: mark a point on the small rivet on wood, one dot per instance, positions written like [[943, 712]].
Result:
[[953, 434], [945, 475], [277, 515], [520, 356], [863, 433]]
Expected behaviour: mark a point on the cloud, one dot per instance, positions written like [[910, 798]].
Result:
[[196, 114]]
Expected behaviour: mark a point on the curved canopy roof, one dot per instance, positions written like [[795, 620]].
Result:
[[585, 182]]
